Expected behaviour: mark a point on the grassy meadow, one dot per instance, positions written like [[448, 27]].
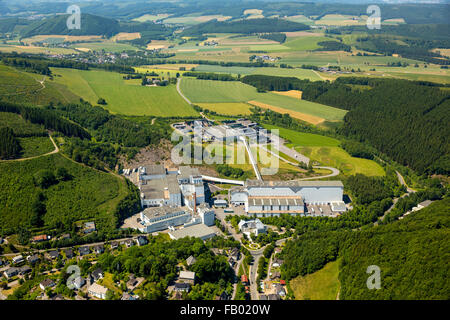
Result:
[[320, 285], [124, 96]]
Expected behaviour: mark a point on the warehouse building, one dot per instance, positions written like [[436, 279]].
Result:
[[160, 192], [272, 198]]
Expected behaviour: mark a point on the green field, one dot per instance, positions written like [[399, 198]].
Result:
[[305, 43], [320, 285], [210, 91], [124, 96], [304, 139], [236, 108], [339, 158], [89, 194], [280, 72]]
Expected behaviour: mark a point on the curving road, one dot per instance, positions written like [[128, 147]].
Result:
[[180, 93]]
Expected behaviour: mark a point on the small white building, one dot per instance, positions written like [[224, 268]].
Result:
[[161, 218], [255, 227], [207, 215], [97, 291]]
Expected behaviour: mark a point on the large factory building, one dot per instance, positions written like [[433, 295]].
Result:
[[272, 198]]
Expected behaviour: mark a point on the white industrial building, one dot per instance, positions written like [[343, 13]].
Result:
[[170, 187], [161, 218], [272, 198]]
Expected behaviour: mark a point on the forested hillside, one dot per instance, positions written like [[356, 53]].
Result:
[[245, 26], [92, 25], [412, 253]]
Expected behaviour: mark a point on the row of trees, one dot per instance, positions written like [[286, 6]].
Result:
[[9, 145]]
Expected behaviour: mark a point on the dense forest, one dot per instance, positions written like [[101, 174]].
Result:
[[9, 145], [412, 254], [250, 26], [403, 119], [333, 46], [47, 118], [275, 36]]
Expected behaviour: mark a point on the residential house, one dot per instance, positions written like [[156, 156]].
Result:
[[68, 253], [141, 240], [24, 270], [78, 283], [180, 287], [40, 238], [47, 283], [97, 291], [114, 245], [132, 283], [191, 260], [99, 249], [83, 251], [11, 272], [33, 259], [244, 279], [280, 290], [97, 274], [187, 277], [277, 263], [18, 259], [89, 227], [129, 297], [53, 254], [58, 297]]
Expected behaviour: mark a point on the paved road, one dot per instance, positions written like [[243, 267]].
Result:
[[291, 152]]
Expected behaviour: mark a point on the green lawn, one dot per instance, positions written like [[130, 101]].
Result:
[[339, 158], [124, 96], [320, 285], [303, 138]]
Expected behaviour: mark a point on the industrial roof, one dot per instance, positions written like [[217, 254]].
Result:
[[197, 230], [187, 171], [263, 201], [297, 183], [154, 212], [154, 189], [156, 169]]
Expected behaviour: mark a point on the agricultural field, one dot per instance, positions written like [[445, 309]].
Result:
[[124, 96], [279, 72], [88, 194], [341, 20], [57, 38], [152, 17], [339, 158], [305, 43], [126, 36], [210, 91], [297, 138], [233, 109], [35, 50], [320, 285]]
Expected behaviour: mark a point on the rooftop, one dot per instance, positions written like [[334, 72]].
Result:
[[154, 212], [155, 189], [278, 201], [187, 171], [297, 183], [156, 169], [197, 230], [187, 275]]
